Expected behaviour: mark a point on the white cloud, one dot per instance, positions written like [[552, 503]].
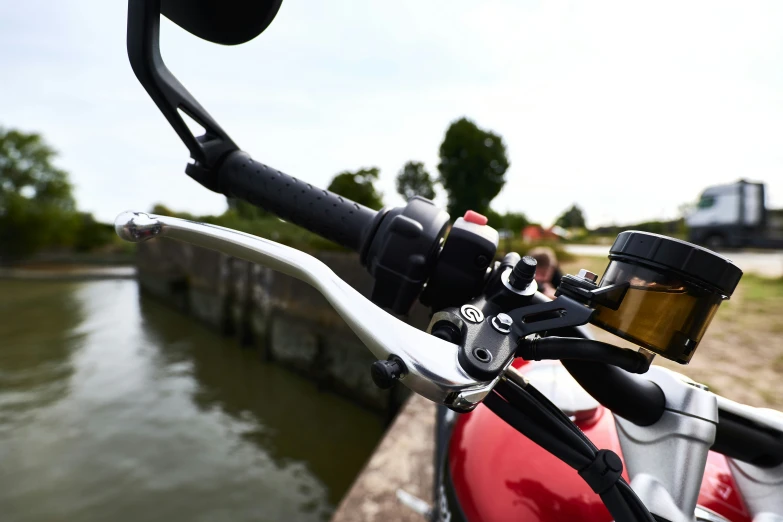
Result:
[[626, 109]]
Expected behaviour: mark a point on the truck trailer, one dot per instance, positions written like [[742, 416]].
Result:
[[735, 216]]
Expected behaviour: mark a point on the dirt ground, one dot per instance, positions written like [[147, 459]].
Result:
[[741, 355]]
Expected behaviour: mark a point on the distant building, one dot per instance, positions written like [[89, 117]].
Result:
[[534, 233]]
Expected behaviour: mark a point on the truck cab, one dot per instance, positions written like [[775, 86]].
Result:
[[734, 216]]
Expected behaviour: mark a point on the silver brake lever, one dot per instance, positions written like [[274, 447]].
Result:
[[433, 370]]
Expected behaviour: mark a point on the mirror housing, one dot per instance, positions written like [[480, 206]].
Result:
[[227, 22]]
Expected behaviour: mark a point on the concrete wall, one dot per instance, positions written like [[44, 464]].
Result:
[[287, 321]]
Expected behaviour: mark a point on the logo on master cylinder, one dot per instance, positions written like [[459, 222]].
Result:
[[471, 313]]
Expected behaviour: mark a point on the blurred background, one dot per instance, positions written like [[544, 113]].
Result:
[[167, 382]]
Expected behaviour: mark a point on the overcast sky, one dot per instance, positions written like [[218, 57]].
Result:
[[627, 109]]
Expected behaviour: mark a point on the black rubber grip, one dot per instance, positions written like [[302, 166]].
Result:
[[330, 216]]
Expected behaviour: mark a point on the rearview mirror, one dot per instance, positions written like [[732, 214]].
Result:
[[227, 22]]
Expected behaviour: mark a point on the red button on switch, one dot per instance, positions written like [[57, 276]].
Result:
[[474, 217]]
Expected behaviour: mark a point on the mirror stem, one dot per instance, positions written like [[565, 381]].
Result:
[[171, 97]]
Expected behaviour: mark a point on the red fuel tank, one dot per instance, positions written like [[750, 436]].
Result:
[[498, 474]]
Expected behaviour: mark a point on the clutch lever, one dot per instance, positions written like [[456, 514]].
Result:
[[431, 366]]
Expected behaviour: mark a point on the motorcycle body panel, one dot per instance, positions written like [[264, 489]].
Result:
[[492, 473], [720, 493]]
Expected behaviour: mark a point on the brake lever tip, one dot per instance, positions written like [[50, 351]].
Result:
[[136, 227]]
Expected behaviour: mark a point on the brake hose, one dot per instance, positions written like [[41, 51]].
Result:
[[636, 399], [564, 348], [533, 415]]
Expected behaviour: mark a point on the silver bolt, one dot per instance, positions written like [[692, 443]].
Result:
[[586, 274], [502, 323]]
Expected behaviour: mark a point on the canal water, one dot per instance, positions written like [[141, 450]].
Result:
[[113, 407]]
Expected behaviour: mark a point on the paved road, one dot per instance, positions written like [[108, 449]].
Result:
[[768, 264]]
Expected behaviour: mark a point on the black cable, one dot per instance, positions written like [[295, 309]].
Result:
[[618, 505], [622, 496], [633, 398], [557, 412], [557, 348], [634, 501], [524, 402], [531, 395], [531, 430], [533, 415], [623, 488]]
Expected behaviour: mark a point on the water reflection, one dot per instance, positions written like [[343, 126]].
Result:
[[275, 409], [113, 407], [37, 336]]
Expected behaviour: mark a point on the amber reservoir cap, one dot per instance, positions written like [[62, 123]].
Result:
[[686, 259]]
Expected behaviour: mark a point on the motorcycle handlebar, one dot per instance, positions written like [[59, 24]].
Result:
[[630, 396], [741, 433], [322, 212], [642, 402], [749, 434]]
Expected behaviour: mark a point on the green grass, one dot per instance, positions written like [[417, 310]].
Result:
[[597, 265], [757, 303], [756, 288], [777, 364], [521, 247]]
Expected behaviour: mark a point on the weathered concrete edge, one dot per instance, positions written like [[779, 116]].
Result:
[[81, 274], [404, 459], [287, 320]]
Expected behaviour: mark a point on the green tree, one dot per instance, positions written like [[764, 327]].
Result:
[[514, 221], [163, 210], [246, 210], [414, 180], [494, 218], [358, 186], [92, 234], [571, 218], [472, 167], [37, 208]]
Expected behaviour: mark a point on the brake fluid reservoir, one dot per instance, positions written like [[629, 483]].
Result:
[[673, 290]]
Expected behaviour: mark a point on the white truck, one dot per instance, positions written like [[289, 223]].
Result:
[[735, 216]]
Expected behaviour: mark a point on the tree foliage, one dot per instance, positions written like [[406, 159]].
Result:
[[92, 234], [514, 221], [414, 180], [359, 187], [571, 218], [494, 218], [472, 167], [675, 227], [37, 208], [246, 210]]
